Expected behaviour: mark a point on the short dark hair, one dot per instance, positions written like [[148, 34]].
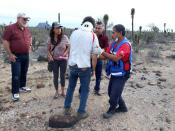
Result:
[[99, 23], [120, 28], [89, 19]]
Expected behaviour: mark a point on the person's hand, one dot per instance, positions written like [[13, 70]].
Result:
[[65, 55], [98, 50], [51, 58], [12, 57]]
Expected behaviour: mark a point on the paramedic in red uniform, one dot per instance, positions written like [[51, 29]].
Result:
[[119, 66]]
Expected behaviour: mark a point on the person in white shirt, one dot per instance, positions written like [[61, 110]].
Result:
[[83, 43]]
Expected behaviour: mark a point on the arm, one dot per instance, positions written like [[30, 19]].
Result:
[[94, 63], [111, 57], [101, 57], [66, 51], [30, 44], [7, 48], [49, 52]]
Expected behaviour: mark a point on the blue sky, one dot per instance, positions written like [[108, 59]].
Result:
[[72, 12]]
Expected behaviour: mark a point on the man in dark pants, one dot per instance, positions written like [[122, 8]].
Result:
[[119, 66], [17, 42], [104, 43]]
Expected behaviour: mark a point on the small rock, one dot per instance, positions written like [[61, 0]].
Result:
[[51, 110], [58, 121], [161, 87], [168, 120], [134, 70], [139, 85], [152, 83], [34, 98], [23, 114], [143, 78], [40, 86], [164, 100], [162, 79], [161, 129], [153, 103], [1, 107], [158, 74], [17, 120], [159, 82], [38, 117], [43, 112]]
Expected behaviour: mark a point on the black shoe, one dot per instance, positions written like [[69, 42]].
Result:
[[121, 108], [97, 93], [109, 113]]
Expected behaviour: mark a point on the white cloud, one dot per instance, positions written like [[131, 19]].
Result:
[[157, 12]]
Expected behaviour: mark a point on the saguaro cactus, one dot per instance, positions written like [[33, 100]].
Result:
[[132, 17]]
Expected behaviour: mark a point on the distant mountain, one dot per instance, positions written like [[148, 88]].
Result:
[[43, 25]]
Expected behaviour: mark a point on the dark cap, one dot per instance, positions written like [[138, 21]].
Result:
[[56, 24]]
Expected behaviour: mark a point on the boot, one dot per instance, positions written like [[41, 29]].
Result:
[[109, 113], [121, 108]]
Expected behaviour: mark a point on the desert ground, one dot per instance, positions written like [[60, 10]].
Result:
[[149, 95]]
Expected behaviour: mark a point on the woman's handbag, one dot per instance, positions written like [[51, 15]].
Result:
[[51, 63]]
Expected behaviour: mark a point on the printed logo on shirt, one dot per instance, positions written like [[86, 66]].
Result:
[[122, 52]]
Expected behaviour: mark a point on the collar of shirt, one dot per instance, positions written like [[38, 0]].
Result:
[[17, 25], [100, 35]]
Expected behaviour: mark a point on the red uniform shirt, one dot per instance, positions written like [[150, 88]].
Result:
[[19, 39], [103, 41], [124, 51]]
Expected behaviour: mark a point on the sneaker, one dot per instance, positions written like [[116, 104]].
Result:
[[55, 96], [97, 93], [63, 95], [109, 113], [24, 89], [15, 97], [67, 111], [82, 116]]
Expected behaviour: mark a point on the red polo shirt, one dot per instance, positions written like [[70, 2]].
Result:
[[124, 51], [19, 39], [103, 41]]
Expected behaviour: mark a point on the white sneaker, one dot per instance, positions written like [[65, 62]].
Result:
[[24, 89], [15, 97]]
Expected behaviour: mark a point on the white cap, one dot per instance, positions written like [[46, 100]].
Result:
[[87, 26], [23, 15]]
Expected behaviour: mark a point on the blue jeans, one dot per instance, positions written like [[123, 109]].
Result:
[[115, 89], [19, 72], [98, 72], [85, 77]]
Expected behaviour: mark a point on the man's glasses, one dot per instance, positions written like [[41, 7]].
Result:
[[25, 19]]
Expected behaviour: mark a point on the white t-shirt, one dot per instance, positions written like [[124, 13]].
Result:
[[82, 44]]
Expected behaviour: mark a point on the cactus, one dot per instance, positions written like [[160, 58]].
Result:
[[105, 20], [132, 17]]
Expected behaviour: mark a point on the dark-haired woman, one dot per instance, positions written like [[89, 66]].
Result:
[[58, 49]]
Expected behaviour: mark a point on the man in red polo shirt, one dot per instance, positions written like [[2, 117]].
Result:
[[104, 43], [120, 56], [17, 42]]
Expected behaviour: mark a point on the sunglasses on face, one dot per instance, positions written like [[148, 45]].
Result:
[[25, 19]]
